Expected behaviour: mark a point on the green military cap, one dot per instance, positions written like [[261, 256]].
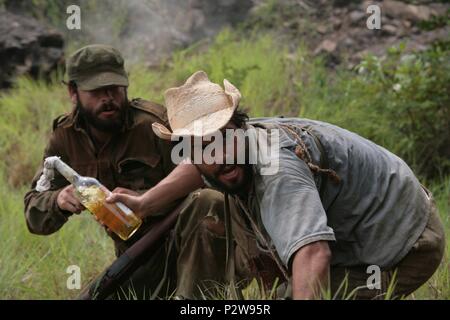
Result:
[[96, 66]]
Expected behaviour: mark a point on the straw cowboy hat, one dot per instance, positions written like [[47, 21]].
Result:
[[198, 108]]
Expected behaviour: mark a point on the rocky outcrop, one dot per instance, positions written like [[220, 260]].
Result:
[[338, 31], [27, 47], [348, 36]]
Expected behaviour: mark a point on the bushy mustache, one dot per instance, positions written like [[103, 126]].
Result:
[[109, 106]]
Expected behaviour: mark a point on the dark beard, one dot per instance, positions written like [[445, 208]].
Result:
[[240, 189], [113, 125]]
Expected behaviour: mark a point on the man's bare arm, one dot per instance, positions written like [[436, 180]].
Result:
[[184, 179], [310, 270]]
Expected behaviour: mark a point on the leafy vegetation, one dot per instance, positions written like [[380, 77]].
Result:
[[400, 102]]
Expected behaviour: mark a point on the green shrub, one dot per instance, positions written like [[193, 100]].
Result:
[[412, 93], [401, 102]]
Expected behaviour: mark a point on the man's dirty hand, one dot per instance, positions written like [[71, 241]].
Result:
[[132, 201], [67, 200], [125, 191]]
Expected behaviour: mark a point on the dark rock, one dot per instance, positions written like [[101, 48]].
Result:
[[336, 22], [326, 46], [415, 13], [356, 16], [27, 47], [389, 29], [348, 42], [322, 29]]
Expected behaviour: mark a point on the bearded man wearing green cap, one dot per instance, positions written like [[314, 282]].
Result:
[[108, 137]]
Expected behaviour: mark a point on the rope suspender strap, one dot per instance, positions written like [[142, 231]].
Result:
[[301, 151]]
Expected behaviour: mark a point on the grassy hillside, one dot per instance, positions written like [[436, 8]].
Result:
[[400, 103]]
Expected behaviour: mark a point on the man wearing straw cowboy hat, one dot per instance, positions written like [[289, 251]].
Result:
[[332, 209]]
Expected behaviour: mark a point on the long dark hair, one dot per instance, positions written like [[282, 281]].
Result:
[[239, 117]]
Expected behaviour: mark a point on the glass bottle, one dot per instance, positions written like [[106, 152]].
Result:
[[92, 194]]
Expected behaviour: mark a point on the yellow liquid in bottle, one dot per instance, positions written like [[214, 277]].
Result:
[[118, 219]]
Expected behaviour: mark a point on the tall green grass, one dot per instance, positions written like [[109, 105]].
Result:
[[258, 66], [34, 267], [273, 81], [25, 124]]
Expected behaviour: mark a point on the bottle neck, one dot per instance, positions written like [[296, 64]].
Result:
[[71, 175]]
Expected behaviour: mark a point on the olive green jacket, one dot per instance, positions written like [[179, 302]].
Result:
[[134, 158]]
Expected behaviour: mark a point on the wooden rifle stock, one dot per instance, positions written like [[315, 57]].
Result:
[[111, 279]]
